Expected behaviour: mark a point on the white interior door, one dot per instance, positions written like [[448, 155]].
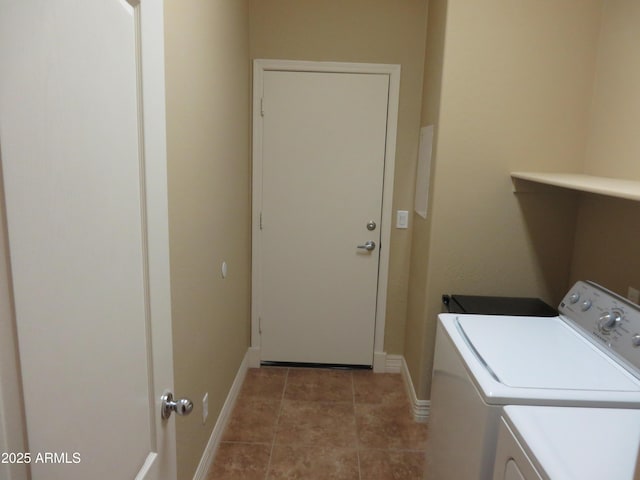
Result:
[[323, 158], [82, 145]]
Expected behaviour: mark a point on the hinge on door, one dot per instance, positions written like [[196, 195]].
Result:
[[260, 325], [260, 220], [262, 107]]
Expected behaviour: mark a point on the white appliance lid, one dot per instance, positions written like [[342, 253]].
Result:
[[574, 443], [542, 353]]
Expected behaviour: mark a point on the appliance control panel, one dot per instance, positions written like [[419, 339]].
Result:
[[611, 321]]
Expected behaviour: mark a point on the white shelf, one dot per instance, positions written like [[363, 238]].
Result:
[[612, 187]]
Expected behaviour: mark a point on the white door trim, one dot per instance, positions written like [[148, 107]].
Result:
[[393, 71], [153, 106]]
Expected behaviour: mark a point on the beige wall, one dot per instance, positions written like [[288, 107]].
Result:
[[207, 82], [416, 327], [516, 84], [369, 31], [614, 144], [608, 231]]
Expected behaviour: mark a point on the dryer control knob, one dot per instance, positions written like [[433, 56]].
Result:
[[635, 340], [608, 321], [586, 305], [574, 297]]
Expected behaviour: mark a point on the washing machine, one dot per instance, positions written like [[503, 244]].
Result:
[[567, 443], [586, 356]]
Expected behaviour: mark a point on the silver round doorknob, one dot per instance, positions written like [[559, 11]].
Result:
[[182, 406]]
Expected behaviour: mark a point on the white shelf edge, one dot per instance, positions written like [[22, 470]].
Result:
[[612, 187]]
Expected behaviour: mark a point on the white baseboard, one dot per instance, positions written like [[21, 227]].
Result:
[[379, 362], [420, 408], [393, 364], [223, 418], [254, 357]]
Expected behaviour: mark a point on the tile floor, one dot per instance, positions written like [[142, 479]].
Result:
[[311, 424]]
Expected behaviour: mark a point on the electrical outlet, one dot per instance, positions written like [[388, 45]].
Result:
[[205, 408], [633, 294]]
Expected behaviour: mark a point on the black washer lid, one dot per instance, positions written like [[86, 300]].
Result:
[[501, 306]]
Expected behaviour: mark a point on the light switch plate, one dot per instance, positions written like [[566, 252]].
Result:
[[402, 219]]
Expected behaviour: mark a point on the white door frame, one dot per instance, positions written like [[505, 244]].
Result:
[[156, 189], [393, 71]]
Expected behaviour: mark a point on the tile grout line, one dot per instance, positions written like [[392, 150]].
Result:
[[355, 421], [273, 441], [244, 442]]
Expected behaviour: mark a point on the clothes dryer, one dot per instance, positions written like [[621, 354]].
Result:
[[567, 443]]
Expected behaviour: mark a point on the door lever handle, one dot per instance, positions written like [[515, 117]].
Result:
[[368, 246]]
